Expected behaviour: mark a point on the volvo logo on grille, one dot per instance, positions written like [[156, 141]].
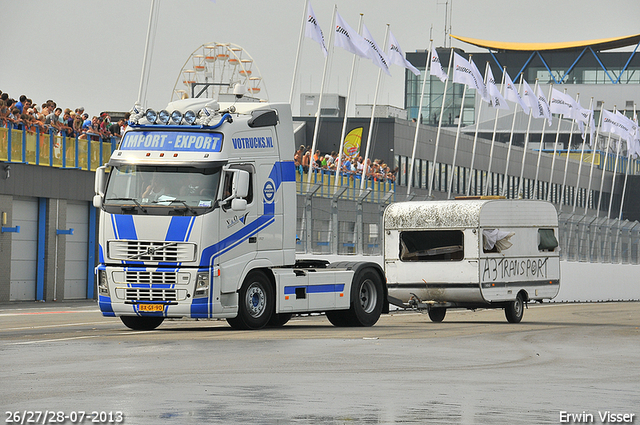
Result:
[[151, 250]]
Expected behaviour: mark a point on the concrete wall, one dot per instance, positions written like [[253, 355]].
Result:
[[56, 186]]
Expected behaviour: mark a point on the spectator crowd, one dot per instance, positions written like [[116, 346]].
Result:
[[349, 165], [48, 118]]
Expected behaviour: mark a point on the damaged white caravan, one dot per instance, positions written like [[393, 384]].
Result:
[[471, 253]]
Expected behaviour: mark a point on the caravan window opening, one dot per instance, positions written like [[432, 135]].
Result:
[[547, 240], [432, 245]]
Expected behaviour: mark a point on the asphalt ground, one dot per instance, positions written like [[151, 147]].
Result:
[[473, 368]]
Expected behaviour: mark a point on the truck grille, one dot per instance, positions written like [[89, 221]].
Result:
[[170, 252], [170, 278], [154, 294]]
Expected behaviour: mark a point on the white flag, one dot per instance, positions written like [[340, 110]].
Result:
[[375, 53], [613, 123], [530, 98], [511, 93], [396, 55], [562, 103], [634, 146], [495, 97], [436, 67], [313, 31], [466, 73], [584, 116], [544, 104], [349, 39], [630, 124]]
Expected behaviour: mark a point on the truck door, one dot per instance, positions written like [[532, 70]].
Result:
[[237, 230]]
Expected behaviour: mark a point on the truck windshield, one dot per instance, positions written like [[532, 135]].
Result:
[[163, 190]]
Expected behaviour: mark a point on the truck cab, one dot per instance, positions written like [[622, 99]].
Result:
[[196, 207]]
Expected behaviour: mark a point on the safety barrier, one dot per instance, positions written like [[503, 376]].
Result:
[[38, 148], [348, 186]]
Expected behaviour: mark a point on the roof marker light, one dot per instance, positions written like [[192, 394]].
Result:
[[151, 116], [164, 116], [176, 117], [190, 117]]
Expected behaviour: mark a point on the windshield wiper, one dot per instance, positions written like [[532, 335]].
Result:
[[171, 201], [143, 209]]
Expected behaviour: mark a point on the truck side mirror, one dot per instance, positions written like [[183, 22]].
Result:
[[101, 178], [238, 204], [240, 183], [97, 201]]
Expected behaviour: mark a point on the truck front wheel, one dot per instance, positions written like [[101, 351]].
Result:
[[256, 302], [142, 323]]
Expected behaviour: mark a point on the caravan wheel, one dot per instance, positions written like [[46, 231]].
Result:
[[515, 309], [436, 314]]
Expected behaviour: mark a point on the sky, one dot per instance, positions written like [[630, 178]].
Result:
[[89, 53]]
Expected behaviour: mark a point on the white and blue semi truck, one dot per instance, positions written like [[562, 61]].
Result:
[[198, 220]]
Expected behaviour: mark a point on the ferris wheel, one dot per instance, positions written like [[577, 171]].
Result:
[[215, 69]]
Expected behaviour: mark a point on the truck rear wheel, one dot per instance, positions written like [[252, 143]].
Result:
[[367, 298], [256, 302], [142, 323], [340, 318], [436, 314], [515, 309]]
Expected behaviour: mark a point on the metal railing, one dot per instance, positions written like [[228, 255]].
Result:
[[40, 148], [598, 239], [336, 230]]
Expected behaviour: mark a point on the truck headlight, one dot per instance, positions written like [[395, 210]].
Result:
[[202, 284], [103, 285]]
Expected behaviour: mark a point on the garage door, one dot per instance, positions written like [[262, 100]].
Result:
[[77, 248], [24, 250]]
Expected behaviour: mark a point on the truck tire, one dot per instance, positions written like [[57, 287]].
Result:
[[515, 309], [142, 323], [367, 298], [256, 303], [340, 318], [279, 320], [436, 314]]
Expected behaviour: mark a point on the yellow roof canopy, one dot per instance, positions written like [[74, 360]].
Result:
[[598, 45]]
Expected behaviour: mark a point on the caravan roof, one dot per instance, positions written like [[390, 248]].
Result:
[[470, 213]]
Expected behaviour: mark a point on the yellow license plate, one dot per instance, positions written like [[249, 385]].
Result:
[[151, 307]]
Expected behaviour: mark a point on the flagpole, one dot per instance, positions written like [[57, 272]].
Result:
[[435, 150], [365, 167], [584, 142], [544, 126], [475, 136], [505, 179], [418, 120], [297, 62], [613, 179], [493, 138], [146, 51], [566, 161], [604, 169], [553, 160], [526, 143], [626, 175], [312, 165], [594, 148], [455, 146], [344, 121]]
